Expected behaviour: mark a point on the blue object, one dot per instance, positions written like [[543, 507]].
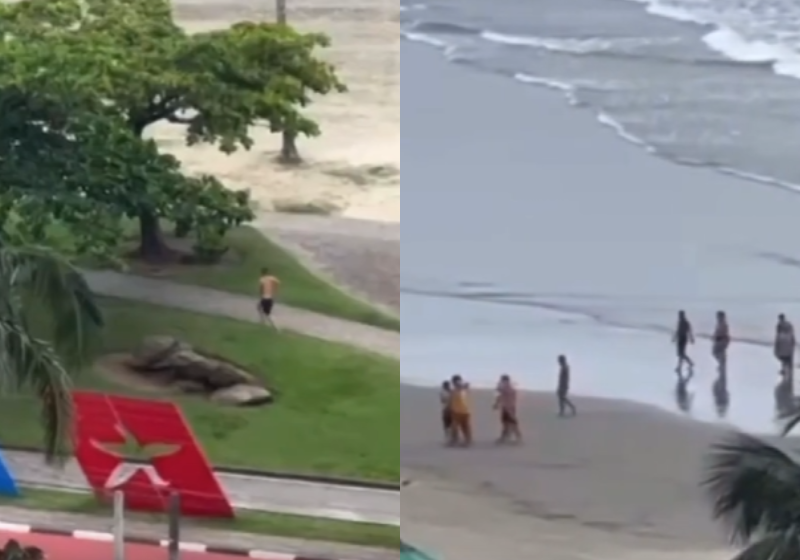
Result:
[[8, 486], [408, 552]]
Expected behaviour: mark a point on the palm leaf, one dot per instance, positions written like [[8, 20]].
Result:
[[778, 546], [754, 487], [39, 280], [792, 420]]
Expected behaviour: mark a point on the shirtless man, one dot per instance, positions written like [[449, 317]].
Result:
[[785, 344], [506, 403], [720, 343], [682, 338], [267, 288]]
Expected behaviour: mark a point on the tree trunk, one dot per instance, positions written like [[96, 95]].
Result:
[[289, 152], [152, 247]]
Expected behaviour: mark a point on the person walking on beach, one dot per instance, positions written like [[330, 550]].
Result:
[[720, 343], [267, 289], [562, 391], [682, 338], [506, 404], [460, 410], [445, 396], [785, 344]]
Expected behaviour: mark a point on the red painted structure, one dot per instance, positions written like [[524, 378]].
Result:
[[112, 419]]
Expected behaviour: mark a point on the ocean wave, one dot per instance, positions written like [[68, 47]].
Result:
[[611, 47], [413, 7], [782, 58]]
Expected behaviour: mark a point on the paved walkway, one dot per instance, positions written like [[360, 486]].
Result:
[[245, 492], [310, 549], [242, 308]]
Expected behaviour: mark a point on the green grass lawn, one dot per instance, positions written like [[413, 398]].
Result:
[[337, 409], [299, 287], [292, 526], [250, 252]]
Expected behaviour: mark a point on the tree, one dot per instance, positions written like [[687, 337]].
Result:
[[754, 489], [43, 358], [129, 59]]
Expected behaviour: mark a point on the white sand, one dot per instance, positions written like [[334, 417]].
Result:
[[355, 164]]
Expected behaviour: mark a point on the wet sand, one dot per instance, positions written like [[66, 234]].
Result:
[[620, 471]]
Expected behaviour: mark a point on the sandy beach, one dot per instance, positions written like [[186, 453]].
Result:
[[354, 166], [618, 477]]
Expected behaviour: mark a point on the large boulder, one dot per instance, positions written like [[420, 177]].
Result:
[[242, 395], [191, 366], [154, 349]]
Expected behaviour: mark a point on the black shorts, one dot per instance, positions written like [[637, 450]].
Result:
[[265, 305], [508, 419], [447, 419], [681, 346], [786, 361]]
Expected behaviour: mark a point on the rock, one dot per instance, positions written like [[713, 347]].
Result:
[[242, 395], [211, 373], [188, 386], [154, 349]]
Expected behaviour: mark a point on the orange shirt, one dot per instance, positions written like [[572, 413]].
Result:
[[459, 401]]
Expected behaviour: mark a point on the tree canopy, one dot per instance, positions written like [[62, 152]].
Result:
[[80, 81], [93, 75]]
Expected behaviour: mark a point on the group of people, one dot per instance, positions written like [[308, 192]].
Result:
[[784, 345], [457, 412]]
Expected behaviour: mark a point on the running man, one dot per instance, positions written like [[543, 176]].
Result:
[[682, 338], [267, 290], [721, 342], [785, 344], [506, 403], [562, 391], [460, 409]]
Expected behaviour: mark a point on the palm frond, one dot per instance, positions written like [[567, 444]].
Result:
[[792, 420], [754, 487], [777, 546], [39, 280], [61, 291]]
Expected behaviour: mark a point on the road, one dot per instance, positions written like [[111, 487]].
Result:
[[68, 548], [245, 492]]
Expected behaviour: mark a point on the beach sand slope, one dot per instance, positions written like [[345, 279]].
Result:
[[354, 166], [620, 476]]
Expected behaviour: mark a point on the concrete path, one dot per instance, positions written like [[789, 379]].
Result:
[[245, 492], [215, 302], [218, 537]]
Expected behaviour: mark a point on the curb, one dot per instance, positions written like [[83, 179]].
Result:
[[161, 543], [277, 475]]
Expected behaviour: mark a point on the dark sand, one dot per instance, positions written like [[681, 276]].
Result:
[[617, 467]]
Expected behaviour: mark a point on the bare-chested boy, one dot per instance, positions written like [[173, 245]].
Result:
[[267, 290], [506, 404]]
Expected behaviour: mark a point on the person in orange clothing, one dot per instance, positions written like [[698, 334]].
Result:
[[461, 412]]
